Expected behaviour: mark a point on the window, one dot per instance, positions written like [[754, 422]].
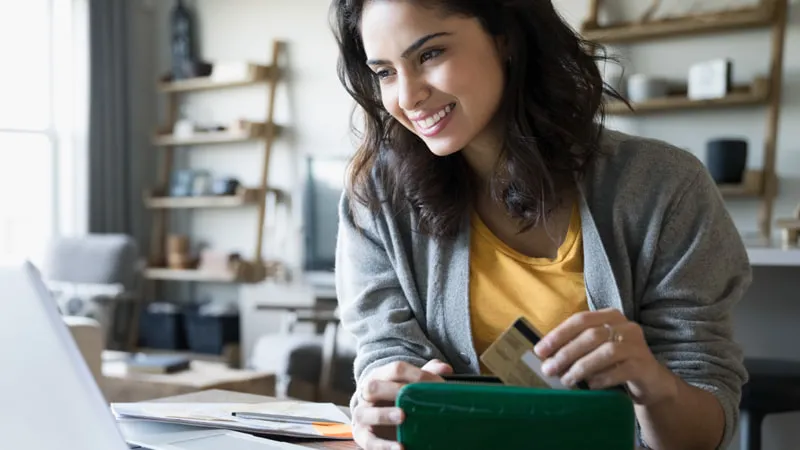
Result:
[[34, 100]]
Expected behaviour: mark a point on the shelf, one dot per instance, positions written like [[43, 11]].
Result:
[[788, 224], [244, 197], [158, 273], [774, 257], [246, 272], [751, 186], [755, 94], [222, 137], [209, 138], [259, 74], [752, 17]]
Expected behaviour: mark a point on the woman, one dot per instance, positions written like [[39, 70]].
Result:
[[486, 188]]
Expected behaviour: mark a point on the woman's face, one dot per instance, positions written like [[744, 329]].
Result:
[[440, 76]]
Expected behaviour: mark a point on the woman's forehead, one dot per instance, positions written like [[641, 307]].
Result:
[[388, 27]]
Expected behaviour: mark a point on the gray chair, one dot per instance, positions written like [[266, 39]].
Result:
[[314, 367], [98, 276]]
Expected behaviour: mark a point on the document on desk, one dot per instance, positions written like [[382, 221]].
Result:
[[291, 419]]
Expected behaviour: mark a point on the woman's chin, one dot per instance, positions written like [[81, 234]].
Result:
[[443, 147]]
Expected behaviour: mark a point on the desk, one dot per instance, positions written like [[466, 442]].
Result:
[[119, 385], [221, 396]]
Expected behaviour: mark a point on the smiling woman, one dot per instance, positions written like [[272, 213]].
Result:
[[451, 80], [486, 188]]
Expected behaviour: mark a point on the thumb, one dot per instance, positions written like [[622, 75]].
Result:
[[438, 367]]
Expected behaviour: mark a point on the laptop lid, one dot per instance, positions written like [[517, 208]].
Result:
[[48, 396]]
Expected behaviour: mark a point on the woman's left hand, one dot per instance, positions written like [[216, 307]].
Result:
[[604, 349]]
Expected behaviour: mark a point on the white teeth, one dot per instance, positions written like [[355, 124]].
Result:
[[435, 118]]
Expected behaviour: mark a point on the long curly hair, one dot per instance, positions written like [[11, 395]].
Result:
[[552, 100]]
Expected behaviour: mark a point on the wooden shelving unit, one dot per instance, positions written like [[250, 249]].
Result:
[[256, 268], [248, 272], [158, 273], [755, 94], [770, 14], [258, 74], [762, 15], [206, 138], [751, 187], [246, 196]]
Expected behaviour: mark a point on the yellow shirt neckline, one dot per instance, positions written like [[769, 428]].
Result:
[[565, 250]]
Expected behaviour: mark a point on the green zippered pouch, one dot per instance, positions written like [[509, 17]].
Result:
[[485, 416]]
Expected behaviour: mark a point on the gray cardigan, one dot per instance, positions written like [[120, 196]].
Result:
[[659, 246]]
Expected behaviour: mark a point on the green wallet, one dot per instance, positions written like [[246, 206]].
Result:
[[482, 416]]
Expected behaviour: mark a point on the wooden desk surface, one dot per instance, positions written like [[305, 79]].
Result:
[[220, 396]]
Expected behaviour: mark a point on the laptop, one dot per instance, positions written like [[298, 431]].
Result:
[[49, 398]]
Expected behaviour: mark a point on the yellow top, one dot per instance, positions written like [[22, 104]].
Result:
[[505, 284]]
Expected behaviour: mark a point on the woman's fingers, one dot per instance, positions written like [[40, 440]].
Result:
[[372, 416], [376, 391], [371, 422], [437, 367], [589, 345], [602, 358], [616, 375], [374, 425], [366, 440], [403, 372], [571, 328]]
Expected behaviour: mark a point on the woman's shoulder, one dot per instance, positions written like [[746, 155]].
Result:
[[641, 154], [642, 167]]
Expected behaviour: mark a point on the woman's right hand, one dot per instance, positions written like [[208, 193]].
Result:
[[375, 418]]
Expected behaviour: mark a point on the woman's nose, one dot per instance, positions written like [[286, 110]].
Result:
[[412, 92]]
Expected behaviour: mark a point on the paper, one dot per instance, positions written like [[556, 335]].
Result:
[[220, 415], [327, 411], [339, 430]]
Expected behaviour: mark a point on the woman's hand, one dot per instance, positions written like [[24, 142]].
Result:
[[375, 418], [604, 349]]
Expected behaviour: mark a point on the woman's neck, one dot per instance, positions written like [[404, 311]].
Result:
[[484, 151]]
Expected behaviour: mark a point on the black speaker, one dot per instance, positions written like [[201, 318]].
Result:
[[726, 160]]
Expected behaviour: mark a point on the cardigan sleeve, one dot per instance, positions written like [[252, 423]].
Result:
[[700, 271], [373, 306]]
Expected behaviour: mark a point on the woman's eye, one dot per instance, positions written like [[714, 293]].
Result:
[[430, 54], [383, 73]]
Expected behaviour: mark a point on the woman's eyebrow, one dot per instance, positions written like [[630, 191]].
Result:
[[411, 48]]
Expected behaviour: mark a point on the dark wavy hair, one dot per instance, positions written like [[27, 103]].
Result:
[[552, 105]]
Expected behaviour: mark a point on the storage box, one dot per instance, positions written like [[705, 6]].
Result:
[[210, 333], [161, 326]]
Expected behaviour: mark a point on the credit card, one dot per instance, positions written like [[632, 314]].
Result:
[[512, 359]]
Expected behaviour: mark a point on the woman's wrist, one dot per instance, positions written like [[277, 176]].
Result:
[[668, 388]]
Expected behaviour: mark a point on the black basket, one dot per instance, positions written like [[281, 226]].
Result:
[[162, 330], [210, 333]]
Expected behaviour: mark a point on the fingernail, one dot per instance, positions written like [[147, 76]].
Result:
[[540, 348], [548, 367], [568, 381], [372, 387], [396, 447], [396, 416]]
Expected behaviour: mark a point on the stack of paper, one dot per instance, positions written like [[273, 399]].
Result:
[[292, 419]]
